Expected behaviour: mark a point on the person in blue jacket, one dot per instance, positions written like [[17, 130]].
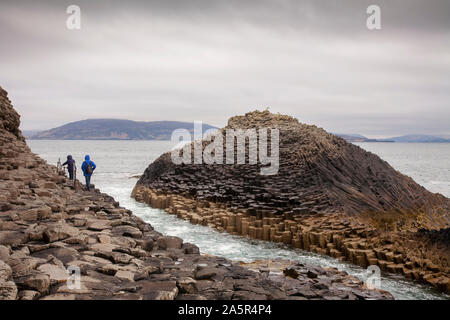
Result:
[[88, 168]]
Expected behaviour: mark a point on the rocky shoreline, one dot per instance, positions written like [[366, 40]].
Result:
[[48, 225], [338, 236]]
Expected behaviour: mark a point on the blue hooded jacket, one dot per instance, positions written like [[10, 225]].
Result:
[[87, 160]]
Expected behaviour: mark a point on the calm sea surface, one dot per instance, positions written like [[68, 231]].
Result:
[[118, 161]]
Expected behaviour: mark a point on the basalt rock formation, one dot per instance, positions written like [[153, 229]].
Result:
[[9, 118], [329, 196], [49, 226], [318, 173]]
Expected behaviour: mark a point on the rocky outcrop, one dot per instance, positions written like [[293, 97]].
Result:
[[329, 197], [9, 118], [60, 241], [318, 173]]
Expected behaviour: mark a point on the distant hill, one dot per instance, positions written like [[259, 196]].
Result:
[[416, 138], [115, 129], [351, 137], [405, 138]]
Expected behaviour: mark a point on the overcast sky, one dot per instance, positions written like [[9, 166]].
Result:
[[209, 60]]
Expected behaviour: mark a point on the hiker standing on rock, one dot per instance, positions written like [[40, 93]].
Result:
[[70, 166], [88, 168]]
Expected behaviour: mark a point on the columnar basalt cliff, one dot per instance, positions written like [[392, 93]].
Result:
[[329, 196], [318, 172], [49, 225]]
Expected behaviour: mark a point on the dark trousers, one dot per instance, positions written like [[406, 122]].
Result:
[[88, 182], [70, 174]]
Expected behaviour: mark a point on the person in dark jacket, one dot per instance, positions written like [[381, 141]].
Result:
[[88, 168], [70, 163]]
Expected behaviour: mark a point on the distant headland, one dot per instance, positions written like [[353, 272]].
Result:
[[422, 138], [114, 129]]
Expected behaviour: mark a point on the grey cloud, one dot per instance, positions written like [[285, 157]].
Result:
[[209, 60]]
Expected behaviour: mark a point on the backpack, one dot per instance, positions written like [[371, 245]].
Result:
[[89, 168]]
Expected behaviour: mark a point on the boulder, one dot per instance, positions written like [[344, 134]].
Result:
[[148, 244], [12, 238], [36, 281], [22, 266], [59, 231], [57, 274], [205, 273], [28, 215], [8, 290], [167, 242], [159, 290], [127, 231], [190, 248], [125, 275], [187, 285], [65, 255], [4, 253], [28, 295], [5, 272], [98, 225]]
